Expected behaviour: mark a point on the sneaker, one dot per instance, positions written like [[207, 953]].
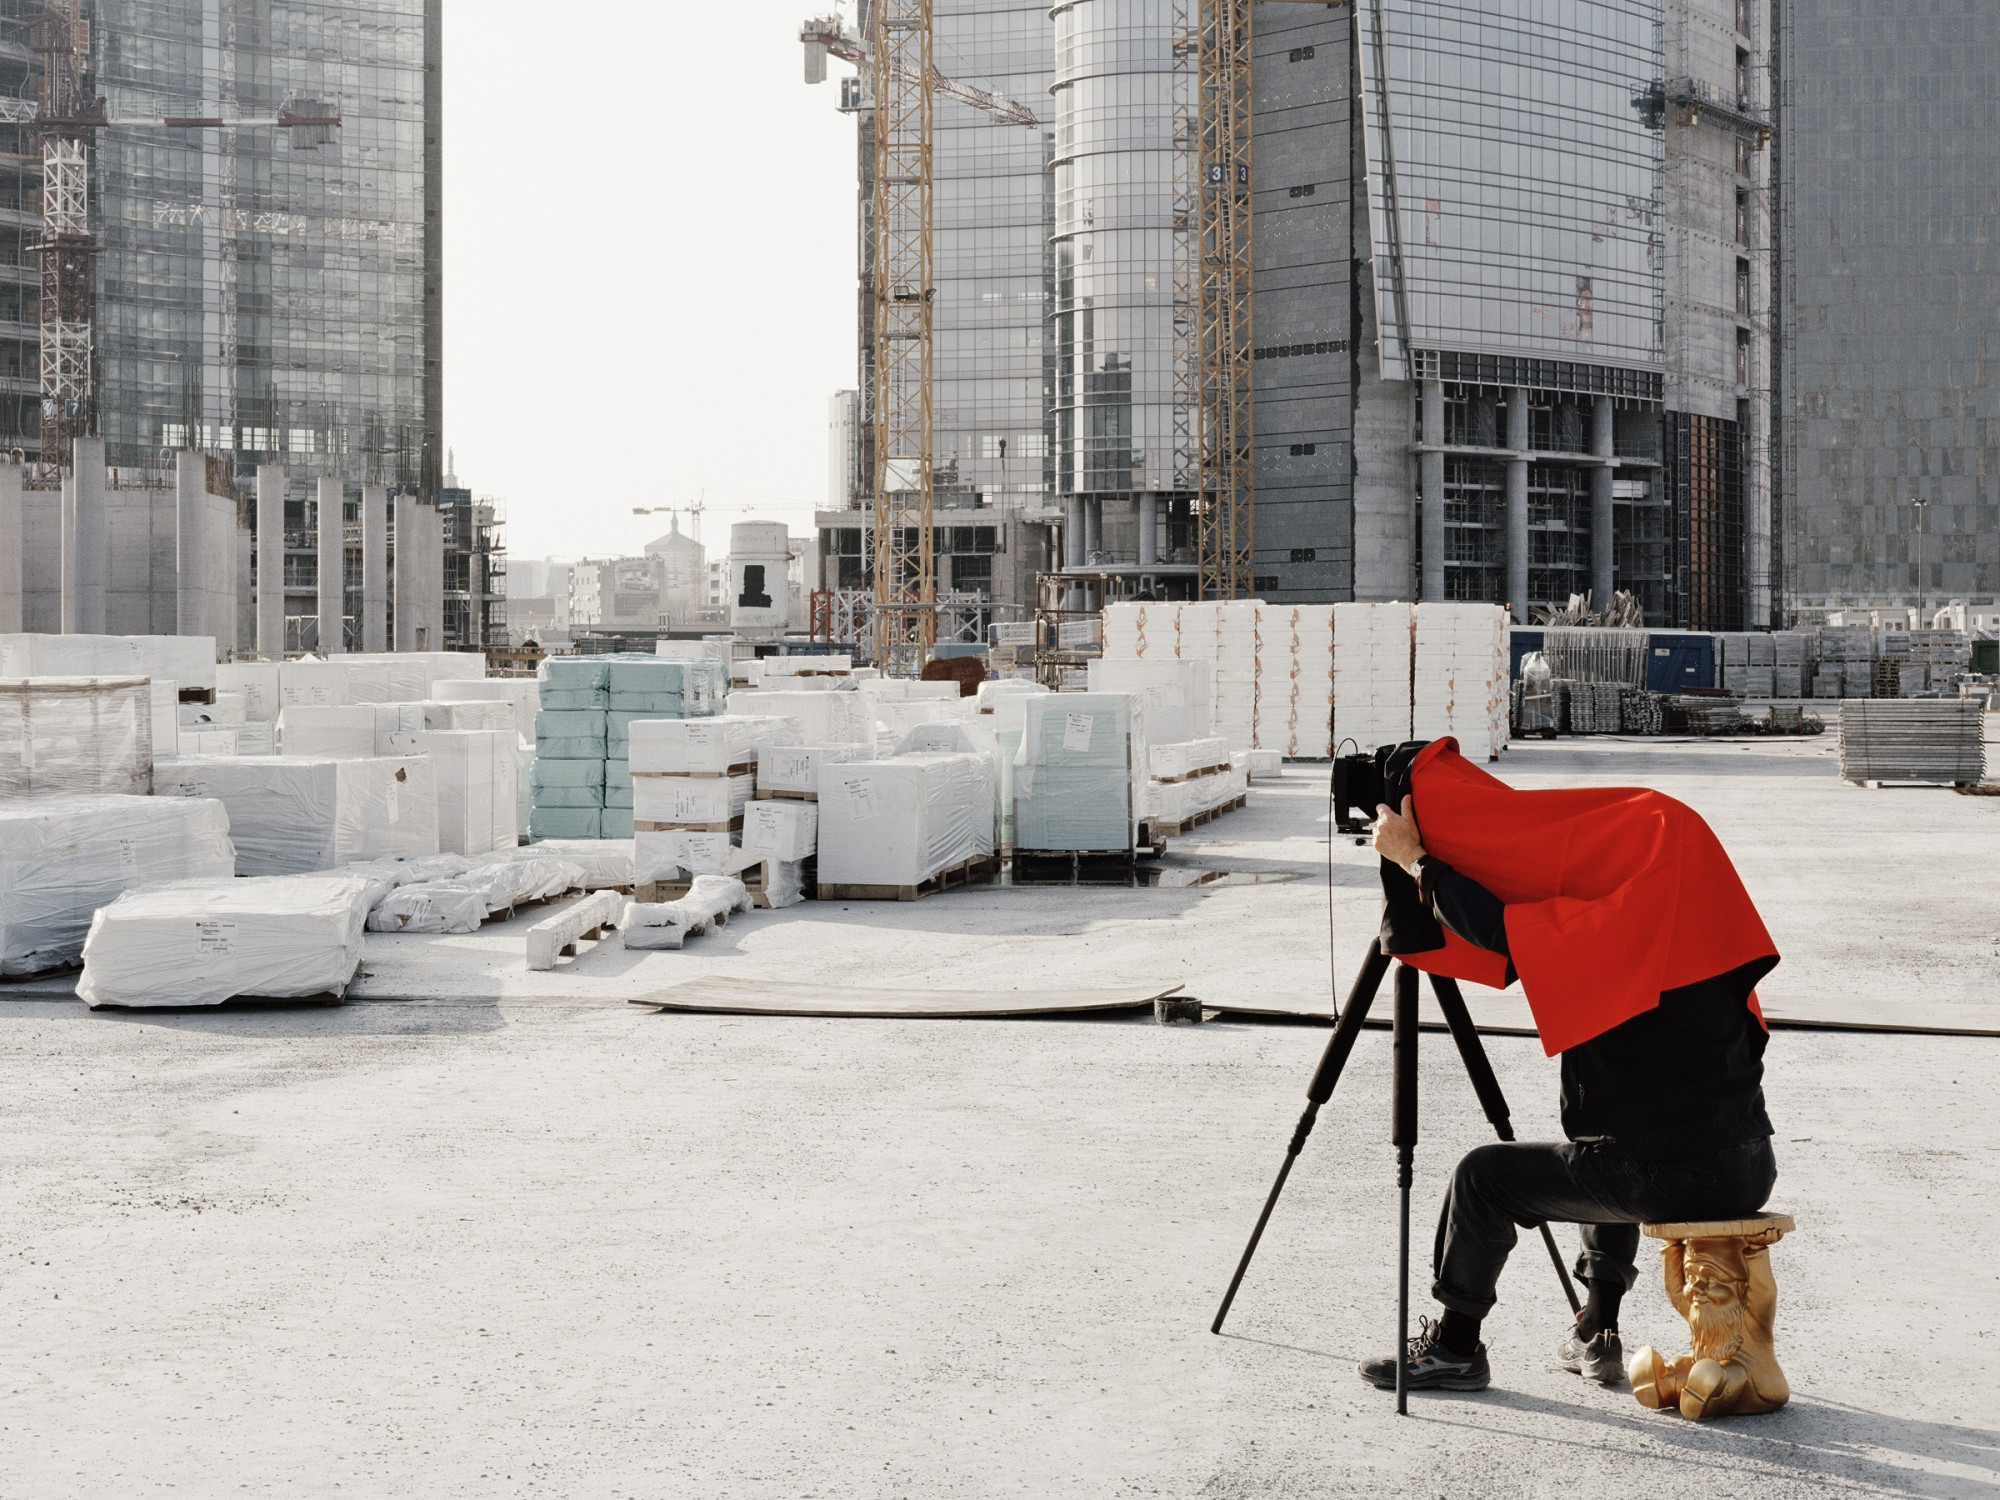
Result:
[[1431, 1366], [1601, 1359]]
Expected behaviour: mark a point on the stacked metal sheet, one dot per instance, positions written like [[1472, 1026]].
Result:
[[1640, 712], [1593, 707], [1927, 740]]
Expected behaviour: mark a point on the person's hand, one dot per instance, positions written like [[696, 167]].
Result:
[[1396, 835]]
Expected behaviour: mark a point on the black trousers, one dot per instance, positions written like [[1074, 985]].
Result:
[[1520, 1183]]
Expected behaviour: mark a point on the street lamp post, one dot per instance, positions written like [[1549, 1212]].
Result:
[[1922, 506]]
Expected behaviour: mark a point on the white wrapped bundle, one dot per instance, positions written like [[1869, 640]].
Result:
[[386, 875], [1173, 801], [203, 942], [994, 689], [793, 666], [492, 716], [290, 815], [1460, 675], [899, 822], [61, 858], [521, 693], [710, 901], [186, 659], [531, 874], [433, 906], [786, 830], [1174, 762], [690, 799], [824, 718], [675, 853], [76, 735], [164, 702], [310, 680], [228, 708], [229, 740], [1178, 692], [474, 771], [1080, 773], [679, 747], [602, 863], [323, 730], [1372, 659], [795, 768], [257, 681]]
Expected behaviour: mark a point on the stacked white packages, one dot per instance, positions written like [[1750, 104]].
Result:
[[683, 747], [186, 659], [1295, 681], [975, 736], [61, 858], [1080, 774], [257, 683], [900, 822], [478, 807], [783, 830], [601, 863], [322, 730], [1460, 676], [75, 734], [1188, 758], [165, 703], [895, 718], [520, 693], [228, 740], [293, 815], [495, 717], [675, 853], [1271, 666], [828, 718], [1178, 692], [690, 799], [1372, 658], [204, 942], [795, 768]]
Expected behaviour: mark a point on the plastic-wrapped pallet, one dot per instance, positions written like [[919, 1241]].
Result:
[[475, 772], [295, 814], [228, 740], [903, 821], [570, 734], [1177, 692], [435, 906], [321, 731], [322, 684], [1188, 758], [971, 737], [1461, 670], [75, 734], [1372, 660], [257, 681], [489, 715], [781, 830], [895, 719], [795, 768], [573, 683], [186, 659], [679, 747], [203, 942], [228, 708], [1237, 660], [164, 702], [675, 853], [1295, 681], [701, 800], [522, 694], [824, 718], [994, 689], [568, 784], [602, 864], [386, 875], [1080, 773], [63, 857], [661, 688]]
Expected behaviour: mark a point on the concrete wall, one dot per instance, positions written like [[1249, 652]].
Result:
[[10, 548]]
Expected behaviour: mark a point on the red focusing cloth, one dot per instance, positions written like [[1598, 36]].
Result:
[[1613, 894]]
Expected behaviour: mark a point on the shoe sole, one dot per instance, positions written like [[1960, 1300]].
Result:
[[1449, 1383]]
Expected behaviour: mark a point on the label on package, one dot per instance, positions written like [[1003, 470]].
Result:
[[701, 735], [860, 798], [1076, 732], [786, 768], [213, 938]]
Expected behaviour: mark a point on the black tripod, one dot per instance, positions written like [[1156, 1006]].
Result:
[[1404, 1134]]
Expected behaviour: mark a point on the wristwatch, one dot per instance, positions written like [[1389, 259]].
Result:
[[1417, 869]]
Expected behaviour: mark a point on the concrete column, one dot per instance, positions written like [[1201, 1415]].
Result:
[[1603, 552], [433, 563], [1517, 504], [406, 573], [332, 567], [374, 568], [193, 549], [69, 557], [1093, 527], [13, 542], [1073, 531], [1431, 491], [93, 535], [1149, 530], [271, 562]]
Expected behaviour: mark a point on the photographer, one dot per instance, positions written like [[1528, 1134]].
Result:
[[1638, 950]]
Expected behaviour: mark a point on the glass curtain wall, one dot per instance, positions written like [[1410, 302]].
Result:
[[1114, 247], [255, 298], [1514, 184], [991, 243]]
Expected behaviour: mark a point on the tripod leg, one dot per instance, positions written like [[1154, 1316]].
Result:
[[1479, 1068], [1345, 1030], [1404, 1137]]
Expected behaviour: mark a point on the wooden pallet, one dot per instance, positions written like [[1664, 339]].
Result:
[[1192, 775], [1074, 866], [742, 768], [977, 871], [755, 880], [773, 794], [1167, 830], [734, 825], [56, 973]]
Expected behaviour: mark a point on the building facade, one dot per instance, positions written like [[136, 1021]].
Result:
[[1888, 212]]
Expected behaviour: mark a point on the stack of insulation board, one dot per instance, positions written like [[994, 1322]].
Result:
[[691, 783], [1295, 680], [1270, 666], [1176, 691], [1460, 676], [1186, 778], [188, 660], [1081, 773], [1373, 656], [291, 815], [75, 734], [581, 782], [888, 826]]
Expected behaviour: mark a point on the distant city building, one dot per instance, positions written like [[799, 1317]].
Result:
[[683, 575], [1889, 212]]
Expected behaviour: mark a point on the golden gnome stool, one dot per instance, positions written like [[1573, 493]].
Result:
[[1718, 1276]]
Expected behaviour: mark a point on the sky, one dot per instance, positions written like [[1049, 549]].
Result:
[[648, 266]]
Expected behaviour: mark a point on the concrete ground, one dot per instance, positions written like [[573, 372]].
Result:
[[493, 1234]]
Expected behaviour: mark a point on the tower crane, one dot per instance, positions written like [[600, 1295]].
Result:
[[69, 110], [894, 59]]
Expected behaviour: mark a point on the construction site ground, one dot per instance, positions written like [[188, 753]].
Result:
[[481, 1232]]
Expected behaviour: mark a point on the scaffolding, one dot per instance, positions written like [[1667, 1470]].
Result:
[[1222, 270]]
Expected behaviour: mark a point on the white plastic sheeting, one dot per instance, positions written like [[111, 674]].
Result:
[[257, 681], [186, 659], [675, 853], [709, 903], [900, 821], [795, 768], [690, 799], [75, 735], [601, 862], [1172, 762], [326, 729], [1176, 691], [292, 815], [683, 746], [783, 830], [520, 693], [1081, 772], [204, 942], [475, 769], [432, 906], [827, 718], [61, 858]]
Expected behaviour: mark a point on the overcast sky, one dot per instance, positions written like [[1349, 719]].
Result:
[[649, 265]]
